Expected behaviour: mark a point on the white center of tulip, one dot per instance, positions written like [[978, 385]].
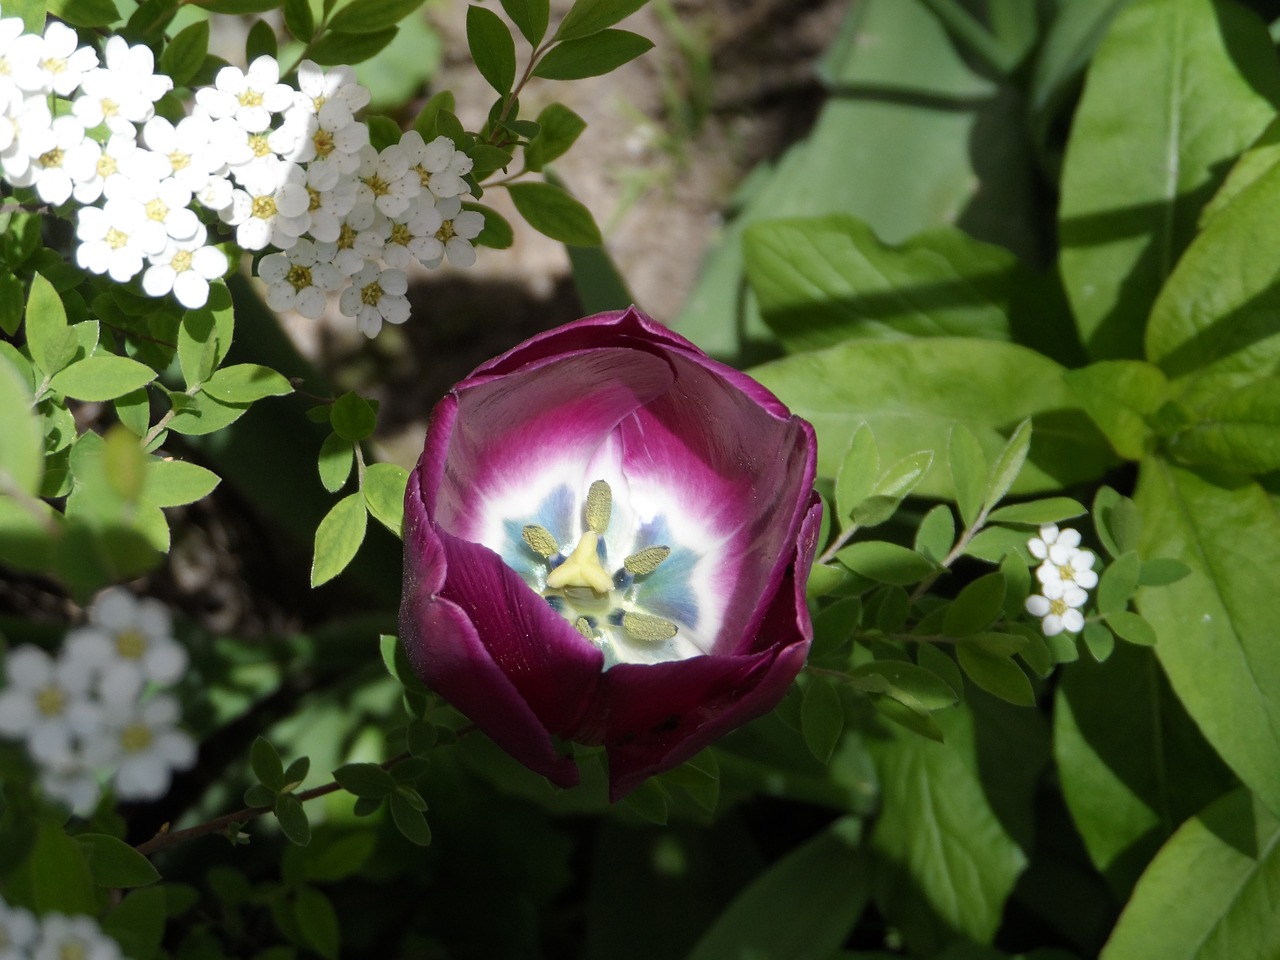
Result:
[[599, 604]]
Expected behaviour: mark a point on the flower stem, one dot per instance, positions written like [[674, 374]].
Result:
[[166, 838]]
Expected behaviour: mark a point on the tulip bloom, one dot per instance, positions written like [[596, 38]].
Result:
[[607, 540]]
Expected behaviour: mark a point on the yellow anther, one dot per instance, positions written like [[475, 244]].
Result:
[[584, 627], [540, 539], [646, 560], [582, 568], [648, 628], [599, 506]]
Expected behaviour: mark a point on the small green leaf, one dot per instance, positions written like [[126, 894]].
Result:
[[1008, 465], [11, 303], [261, 41], [552, 211], [936, 534], [997, 674], [891, 488], [299, 19], [293, 819], [384, 486], [383, 132], [923, 686], [1035, 512], [297, 772], [821, 718], [113, 863], [1117, 521], [102, 377], [338, 538], [586, 17], [410, 821], [1099, 641], [492, 48], [1129, 626], [184, 54], [530, 17], [425, 122], [365, 780], [134, 410], [496, 233], [336, 458], [886, 562], [334, 48], [591, 56], [352, 417], [318, 922], [976, 607], [856, 476], [58, 873], [1118, 583], [340, 858], [21, 439], [201, 414], [85, 13], [558, 129], [259, 795], [137, 922], [46, 327], [172, 483], [245, 383], [1161, 572], [371, 16], [266, 763], [968, 473]]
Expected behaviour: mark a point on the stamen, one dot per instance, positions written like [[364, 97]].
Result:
[[582, 568], [646, 627], [645, 561], [584, 627], [599, 506], [540, 539]]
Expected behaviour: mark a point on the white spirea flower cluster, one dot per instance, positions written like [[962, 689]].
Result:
[[1066, 576], [97, 710], [283, 169], [54, 936]]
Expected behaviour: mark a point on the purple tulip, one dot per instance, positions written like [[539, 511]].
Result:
[[607, 540]]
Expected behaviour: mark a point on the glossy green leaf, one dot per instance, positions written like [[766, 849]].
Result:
[[22, 439], [891, 488], [821, 718], [425, 122], [1216, 628], [558, 130], [913, 393], [172, 483], [1048, 510], [353, 417], [1176, 91], [1120, 395], [336, 458], [245, 383], [996, 673], [885, 562], [552, 211], [801, 908], [46, 327], [822, 280], [336, 48], [299, 19], [113, 863], [371, 16], [1221, 870], [1005, 470], [202, 414], [204, 338], [410, 821], [338, 538], [530, 17], [967, 463], [292, 819], [976, 606], [591, 56], [384, 486], [586, 17], [496, 232], [85, 13], [936, 534], [318, 921], [492, 48], [856, 476], [102, 377], [266, 763]]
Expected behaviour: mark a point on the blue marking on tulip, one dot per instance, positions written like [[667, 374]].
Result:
[[667, 592], [556, 603]]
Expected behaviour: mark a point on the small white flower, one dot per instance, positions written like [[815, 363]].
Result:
[[78, 937], [29, 125], [248, 97], [374, 296], [122, 93], [53, 63], [439, 166], [12, 39], [148, 744], [1053, 542], [73, 782], [334, 97], [60, 157], [115, 237], [413, 235], [238, 150], [185, 267], [1058, 605], [112, 158], [385, 180], [299, 279], [165, 202], [457, 229], [131, 636], [46, 703], [185, 152], [273, 208], [1077, 568], [328, 205], [18, 927], [361, 238]]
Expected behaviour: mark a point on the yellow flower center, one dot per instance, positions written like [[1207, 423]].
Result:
[[323, 140], [259, 145], [370, 294], [116, 238], [179, 160], [316, 200], [51, 158], [107, 166], [250, 98], [264, 207], [181, 261], [400, 233], [346, 237], [132, 644], [54, 64], [379, 186], [1058, 607], [157, 210], [299, 276], [51, 701], [135, 738], [75, 950], [445, 233], [110, 108], [424, 176]]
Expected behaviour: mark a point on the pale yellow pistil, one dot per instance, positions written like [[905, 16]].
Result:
[[131, 644], [582, 568]]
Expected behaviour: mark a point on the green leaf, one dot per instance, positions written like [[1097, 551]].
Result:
[[496, 233], [85, 13], [1100, 641], [1117, 521], [908, 681], [203, 339], [237, 7], [260, 42], [856, 476], [365, 780], [339, 858], [172, 483], [976, 606], [266, 763], [203, 414], [258, 795], [371, 16], [1221, 870], [802, 907], [558, 130], [113, 863], [336, 458], [335, 48], [425, 122], [886, 562], [492, 48], [891, 488], [11, 303], [245, 383], [46, 327], [124, 463], [1162, 572], [292, 819], [1035, 512], [1008, 465], [1129, 626], [586, 17], [823, 280], [296, 773], [102, 377], [318, 921], [821, 718], [338, 538], [591, 56], [1118, 582], [1237, 427], [57, 872], [384, 486], [299, 19], [1216, 628], [134, 411], [22, 439], [997, 674], [32, 13], [936, 534], [1132, 763], [1175, 92], [968, 465], [552, 211], [530, 17], [353, 417], [410, 821], [137, 923], [1120, 396]]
